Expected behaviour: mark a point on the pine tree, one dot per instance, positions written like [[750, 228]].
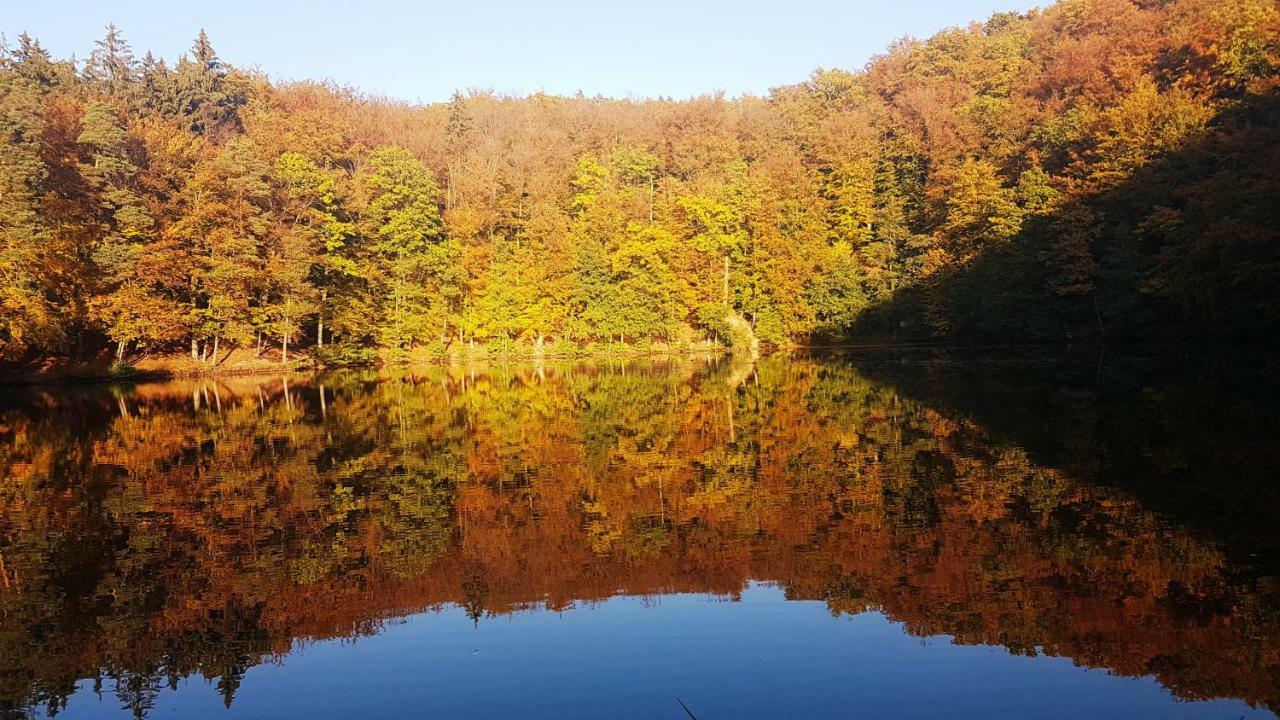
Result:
[[203, 94], [111, 68]]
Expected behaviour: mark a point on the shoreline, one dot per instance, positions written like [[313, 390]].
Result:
[[175, 367]]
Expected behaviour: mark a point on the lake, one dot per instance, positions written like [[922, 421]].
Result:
[[892, 534]]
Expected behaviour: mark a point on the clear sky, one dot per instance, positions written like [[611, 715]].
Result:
[[423, 51]]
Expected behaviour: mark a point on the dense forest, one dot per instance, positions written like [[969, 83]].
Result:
[[163, 531], [1098, 168]]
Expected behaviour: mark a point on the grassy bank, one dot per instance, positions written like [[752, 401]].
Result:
[[148, 367], [249, 362]]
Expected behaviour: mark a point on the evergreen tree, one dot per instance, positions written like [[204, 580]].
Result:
[[111, 69]]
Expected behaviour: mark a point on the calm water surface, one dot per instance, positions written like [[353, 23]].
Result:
[[878, 536]]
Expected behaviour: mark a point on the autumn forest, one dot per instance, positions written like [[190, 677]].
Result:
[[1095, 169]]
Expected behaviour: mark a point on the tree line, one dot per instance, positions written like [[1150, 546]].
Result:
[[1094, 149]]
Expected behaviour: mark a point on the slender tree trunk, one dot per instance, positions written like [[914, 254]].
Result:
[[726, 280], [396, 300], [214, 360], [195, 348], [284, 347], [324, 294], [120, 351]]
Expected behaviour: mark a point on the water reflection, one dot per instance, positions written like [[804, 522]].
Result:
[[201, 528]]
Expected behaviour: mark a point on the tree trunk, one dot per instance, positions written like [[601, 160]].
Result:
[[195, 348], [324, 294], [284, 347], [214, 360], [726, 280], [120, 351]]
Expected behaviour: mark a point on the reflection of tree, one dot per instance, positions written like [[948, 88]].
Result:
[[145, 539], [475, 591], [137, 693]]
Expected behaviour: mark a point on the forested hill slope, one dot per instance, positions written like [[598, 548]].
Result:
[[1097, 168]]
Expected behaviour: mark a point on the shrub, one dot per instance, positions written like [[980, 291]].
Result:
[[343, 354], [122, 369]]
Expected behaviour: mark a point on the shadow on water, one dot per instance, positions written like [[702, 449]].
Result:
[[1114, 511], [1191, 430]]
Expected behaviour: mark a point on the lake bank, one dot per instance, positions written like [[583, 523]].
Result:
[[245, 362]]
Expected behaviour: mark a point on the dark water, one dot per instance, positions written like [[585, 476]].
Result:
[[891, 535]]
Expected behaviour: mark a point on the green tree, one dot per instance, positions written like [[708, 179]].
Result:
[[201, 93], [419, 261], [314, 248], [111, 68]]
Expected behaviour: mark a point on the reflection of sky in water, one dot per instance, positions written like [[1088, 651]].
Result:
[[763, 657]]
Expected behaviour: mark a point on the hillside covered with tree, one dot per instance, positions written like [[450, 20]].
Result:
[[1096, 168]]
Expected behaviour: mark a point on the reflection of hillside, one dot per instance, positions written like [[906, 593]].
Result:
[[1191, 433], [155, 534]]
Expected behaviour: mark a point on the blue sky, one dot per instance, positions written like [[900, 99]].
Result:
[[423, 51]]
